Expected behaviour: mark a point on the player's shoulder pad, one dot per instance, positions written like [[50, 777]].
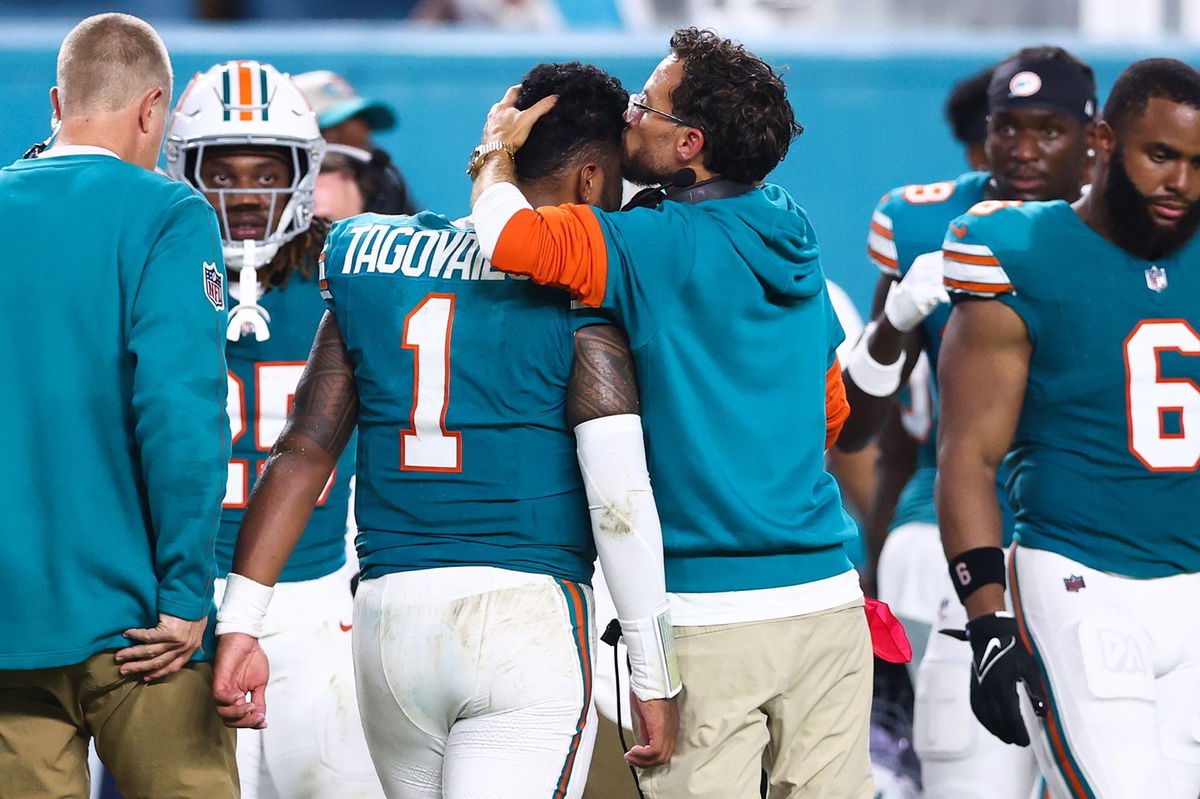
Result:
[[912, 218], [981, 249]]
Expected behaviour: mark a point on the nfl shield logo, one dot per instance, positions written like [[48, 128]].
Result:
[[1156, 278], [1074, 583], [214, 285]]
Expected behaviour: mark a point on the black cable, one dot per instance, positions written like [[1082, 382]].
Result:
[[612, 634]]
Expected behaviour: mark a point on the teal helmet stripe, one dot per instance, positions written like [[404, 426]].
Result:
[[262, 83], [225, 91]]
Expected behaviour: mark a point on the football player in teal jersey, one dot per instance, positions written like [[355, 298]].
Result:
[[717, 278], [473, 628], [243, 134], [1072, 349], [1040, 104], [113, 460]]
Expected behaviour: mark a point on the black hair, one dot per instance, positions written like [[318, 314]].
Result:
[[587, 119], [1165, 78], [737, 100], [967, 107]]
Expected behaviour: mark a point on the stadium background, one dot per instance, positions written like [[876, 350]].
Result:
[[870, 100]]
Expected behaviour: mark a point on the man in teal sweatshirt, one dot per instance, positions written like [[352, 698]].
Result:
[[113, 466]]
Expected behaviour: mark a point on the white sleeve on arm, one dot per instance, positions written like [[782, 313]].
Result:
[[612, 458], [491, 212]]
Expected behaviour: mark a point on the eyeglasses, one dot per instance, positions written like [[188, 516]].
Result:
[[637, 109]]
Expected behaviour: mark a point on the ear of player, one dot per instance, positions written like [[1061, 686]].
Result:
[[1000, 661]]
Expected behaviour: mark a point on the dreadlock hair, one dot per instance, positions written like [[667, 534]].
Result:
[[586, 121], [737, 100], [297, 255], [1165, 78], [967, 107]]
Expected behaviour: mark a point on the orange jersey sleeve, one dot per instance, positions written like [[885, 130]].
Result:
[[837, 409], [561, 246]]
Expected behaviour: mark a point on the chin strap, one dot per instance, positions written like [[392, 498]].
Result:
[[248, 316]]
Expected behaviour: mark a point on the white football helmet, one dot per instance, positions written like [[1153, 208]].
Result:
[[248, 103]]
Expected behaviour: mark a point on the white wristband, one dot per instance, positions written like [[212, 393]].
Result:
[[872, 377], [244, 606], [653, 667]]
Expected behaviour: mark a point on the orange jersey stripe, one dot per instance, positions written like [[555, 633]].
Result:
[[881, 230], [561, 246], [245, 93], [1074, 780], [991, 288], [975, 260], [837, 408], [876, 255]]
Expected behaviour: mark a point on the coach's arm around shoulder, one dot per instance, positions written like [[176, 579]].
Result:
[[602, 406], [176, 319], [322, 420]]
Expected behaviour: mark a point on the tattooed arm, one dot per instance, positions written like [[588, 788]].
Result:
[[603, 382], [602, 405], [322, 419]]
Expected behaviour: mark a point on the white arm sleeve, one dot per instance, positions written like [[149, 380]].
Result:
[[612, 458], [491, 212]]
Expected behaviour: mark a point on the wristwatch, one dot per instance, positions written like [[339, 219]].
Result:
[[480, 154]]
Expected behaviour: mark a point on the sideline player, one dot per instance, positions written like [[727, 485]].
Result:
[[473, 622], [721, 289], [113, 460], [1073, 342], [1040, 104], [243, 135]]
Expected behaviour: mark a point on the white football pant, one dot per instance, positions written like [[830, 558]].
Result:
[[959, 758], [475, 682], [1122, 657]]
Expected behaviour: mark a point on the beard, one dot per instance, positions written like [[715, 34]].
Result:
[[1134, 229], [638, 170]]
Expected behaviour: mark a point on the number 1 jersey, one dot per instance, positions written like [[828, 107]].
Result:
[[1103, 465], [464, 456]]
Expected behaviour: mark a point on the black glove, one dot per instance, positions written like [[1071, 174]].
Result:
[[1000, 661]]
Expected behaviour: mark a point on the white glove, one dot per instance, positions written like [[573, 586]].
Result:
[[914, 298]]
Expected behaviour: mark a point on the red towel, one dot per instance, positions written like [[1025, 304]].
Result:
[[888, 638]]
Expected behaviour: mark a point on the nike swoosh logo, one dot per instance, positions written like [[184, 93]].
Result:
[[958, 230], [991, 653], [345, 627]]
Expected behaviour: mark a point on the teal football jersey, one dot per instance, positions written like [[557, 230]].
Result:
[[112, 341], [262, 384], [1103, 465], [909, 222], [464, 456]]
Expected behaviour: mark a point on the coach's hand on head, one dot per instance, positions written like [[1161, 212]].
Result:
[[240, 669], [657, 726], [162, 650], [506, 123]]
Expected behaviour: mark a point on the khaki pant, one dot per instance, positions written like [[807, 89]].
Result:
[[789, 696], [160, 741]]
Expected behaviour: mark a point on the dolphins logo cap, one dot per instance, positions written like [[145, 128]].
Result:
[[1050, 84]]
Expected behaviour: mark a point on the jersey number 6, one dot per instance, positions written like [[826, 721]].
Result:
[[1152, 400]]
